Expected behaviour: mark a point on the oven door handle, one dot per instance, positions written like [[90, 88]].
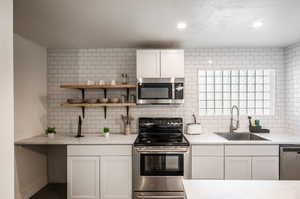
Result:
[[160, 197], [162, 151]]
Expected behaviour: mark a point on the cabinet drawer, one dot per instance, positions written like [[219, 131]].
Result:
[[251, 150], [99, 150], [207, 150]]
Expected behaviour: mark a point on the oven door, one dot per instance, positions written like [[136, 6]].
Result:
[[158, 170], [161, 164], [154, 93]]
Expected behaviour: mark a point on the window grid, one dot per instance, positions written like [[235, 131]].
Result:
[[244, 88]]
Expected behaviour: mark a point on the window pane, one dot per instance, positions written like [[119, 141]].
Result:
[[218, 96], [202, 80], [218, 88], [202, 96], [202, 105]]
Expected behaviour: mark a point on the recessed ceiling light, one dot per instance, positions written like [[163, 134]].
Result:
[[210, 61], [181, 25], [257, 24]]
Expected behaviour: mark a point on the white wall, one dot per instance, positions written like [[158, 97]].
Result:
[[292, 59], [7, 100], [30, 73], [75, 66], [30, 77]]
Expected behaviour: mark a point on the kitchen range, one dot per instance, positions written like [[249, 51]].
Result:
[[160, 155]]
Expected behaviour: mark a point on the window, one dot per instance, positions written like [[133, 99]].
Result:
[[251, 90]]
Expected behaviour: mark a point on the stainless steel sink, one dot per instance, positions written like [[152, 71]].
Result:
[[241, 136]]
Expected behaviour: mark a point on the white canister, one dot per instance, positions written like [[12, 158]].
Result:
[[113, 82], [194, 129], [106, 135], [90, 82], [51, 135], [101, 82]]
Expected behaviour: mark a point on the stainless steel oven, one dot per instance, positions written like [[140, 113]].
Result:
[[158, 171], [160, 91]]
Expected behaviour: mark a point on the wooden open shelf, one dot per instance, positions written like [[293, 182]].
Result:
[[99, 86], [100, 105], [83, 89]]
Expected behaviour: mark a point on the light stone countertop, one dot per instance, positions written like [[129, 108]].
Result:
[[273, 138], [241, 189], [118, 139], [206, 138]]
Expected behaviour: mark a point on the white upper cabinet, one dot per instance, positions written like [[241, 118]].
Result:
[[172, 63], [148, 63], [160, 63]]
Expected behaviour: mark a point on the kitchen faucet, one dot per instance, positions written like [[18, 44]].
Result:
[[79, 128], [232, 128]]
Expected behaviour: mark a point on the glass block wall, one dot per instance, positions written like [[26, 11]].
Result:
[[251, 90]]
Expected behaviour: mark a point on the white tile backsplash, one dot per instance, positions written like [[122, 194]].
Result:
[[292, 62], [76, 66]]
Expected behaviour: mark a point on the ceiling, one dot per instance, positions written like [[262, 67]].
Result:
[[152, 23]]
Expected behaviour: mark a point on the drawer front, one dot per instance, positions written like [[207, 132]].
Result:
[[99, 150], [251, 150], [207, 150]]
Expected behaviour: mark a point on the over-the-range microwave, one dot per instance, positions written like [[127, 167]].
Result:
[[160, 91]]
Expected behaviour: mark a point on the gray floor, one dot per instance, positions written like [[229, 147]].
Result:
[[52, 191]]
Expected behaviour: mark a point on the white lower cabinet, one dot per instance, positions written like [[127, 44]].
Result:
[[106, 174], [238, 168], [116, 177], [235, 162], [208, 162], [83, 177], [257, 162], [207, 167], [265, 168]]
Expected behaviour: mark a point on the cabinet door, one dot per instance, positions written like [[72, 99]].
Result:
[[265, 168], [116, 177], [172, 63], [238, 168], [148, 63], [208, 167], [83, 178]]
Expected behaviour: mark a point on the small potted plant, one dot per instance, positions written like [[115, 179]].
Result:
[[106, 132], [51, 132]]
